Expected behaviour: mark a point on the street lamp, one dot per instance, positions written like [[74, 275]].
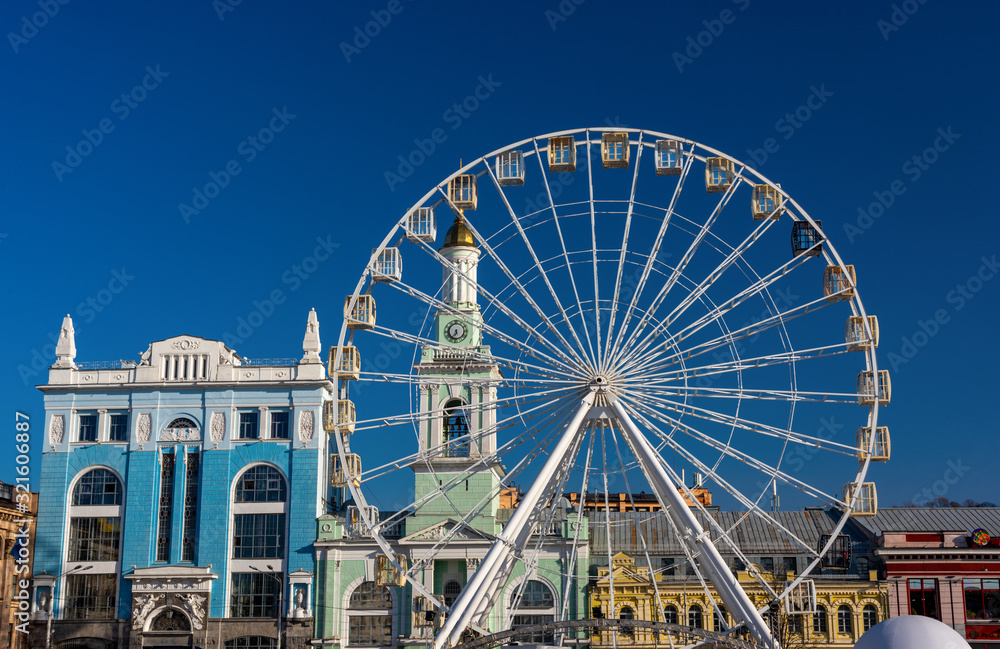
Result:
[[50, 609], [281, 587]]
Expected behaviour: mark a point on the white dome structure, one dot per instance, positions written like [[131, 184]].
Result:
[[911, 632]]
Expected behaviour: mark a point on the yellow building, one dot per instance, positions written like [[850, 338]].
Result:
[[850, 597]]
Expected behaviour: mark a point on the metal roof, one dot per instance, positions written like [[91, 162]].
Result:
[[934, 519], [750, 533]]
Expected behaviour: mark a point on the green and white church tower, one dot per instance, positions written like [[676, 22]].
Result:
[[458, 385]]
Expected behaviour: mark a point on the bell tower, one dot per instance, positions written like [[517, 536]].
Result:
[[457, 391]]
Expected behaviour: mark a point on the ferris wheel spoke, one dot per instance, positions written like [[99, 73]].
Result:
[[657, 243], [719, 311], [678, 270], [653, 377], [546, 409], [524, 237], [733, 257], [762, 284], [388, 377], [770, 395], [599, 362], [565, 254], [563, 361], [642, 538], [624, 249], [751, 426], [726, 449], [391, 420], [662, 358], [638, 410], [494, 300], [568, 589]]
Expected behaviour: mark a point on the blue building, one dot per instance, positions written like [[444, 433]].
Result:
[[179, 497]]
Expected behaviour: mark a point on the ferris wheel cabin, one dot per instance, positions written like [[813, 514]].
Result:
[[867, 502], [562, 154], [614, 150], [839, 283], [349, 368], [463, 192], [857, 337], [867, 389], [881, 446], [509, 168], [668, 158], [718, 175], [421, 225], [806, 240], [765, 203]]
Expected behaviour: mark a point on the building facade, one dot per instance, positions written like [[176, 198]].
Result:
[[179, 496], [944, 563], [18, 510], [633, 582]]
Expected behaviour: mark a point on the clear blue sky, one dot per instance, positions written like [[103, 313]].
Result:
[[878, 94]]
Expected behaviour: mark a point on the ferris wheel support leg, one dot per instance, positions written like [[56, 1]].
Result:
[[695, 536], [485, 581]]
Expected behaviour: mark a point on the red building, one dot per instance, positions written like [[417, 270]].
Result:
[[944, 563]]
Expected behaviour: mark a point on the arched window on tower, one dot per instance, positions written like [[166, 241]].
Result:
[[456, 429], [369, 616], [535, 605]]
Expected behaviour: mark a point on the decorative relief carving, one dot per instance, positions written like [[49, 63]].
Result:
[[56, 429], [143, 427], [217, 426], [180, 435], [195, 611], [307, 426], [144, 604], [471, 564], [185, 344]]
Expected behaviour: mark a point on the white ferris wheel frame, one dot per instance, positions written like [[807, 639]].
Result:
[[482, 587]]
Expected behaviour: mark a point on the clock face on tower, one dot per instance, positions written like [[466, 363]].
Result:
[[455, 331]]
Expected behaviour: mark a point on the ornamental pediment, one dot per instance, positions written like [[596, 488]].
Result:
[[172, 578], [448, 529]]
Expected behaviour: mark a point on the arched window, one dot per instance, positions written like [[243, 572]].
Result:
[[694, 617], [250, 642], [720, 622], [170, 620], [182, 422], [370, 595], [369, 616], [626, 613], [535, 595], [98, 487], [94, 536], [536, 606], [869, 617], [845, 624], [670, 614], [261, 483], [456, 427], [819, 620], [451, 592]]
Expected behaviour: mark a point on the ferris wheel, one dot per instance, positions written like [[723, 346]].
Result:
[[609, 311]]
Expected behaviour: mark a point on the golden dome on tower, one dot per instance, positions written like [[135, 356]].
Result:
[[459, 234]]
